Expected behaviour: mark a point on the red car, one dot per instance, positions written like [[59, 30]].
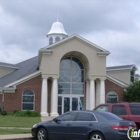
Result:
[[125, 110]]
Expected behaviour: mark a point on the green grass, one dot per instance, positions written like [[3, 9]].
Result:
[[13, 121], [17, 123]]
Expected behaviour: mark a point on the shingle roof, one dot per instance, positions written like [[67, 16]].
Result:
[[26, 68], [8, 65], [121, 67]]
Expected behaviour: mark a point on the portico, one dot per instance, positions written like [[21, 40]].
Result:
[[77, 68]]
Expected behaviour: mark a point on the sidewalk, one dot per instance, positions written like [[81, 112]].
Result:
[[16, 137], [20, 136]]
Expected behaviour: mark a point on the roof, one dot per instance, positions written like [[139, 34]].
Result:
[[121, 67], [57, 28], [26, 68], [117, 81], [8, 65]]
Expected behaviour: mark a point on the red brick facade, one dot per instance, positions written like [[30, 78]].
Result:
[[13, 101]]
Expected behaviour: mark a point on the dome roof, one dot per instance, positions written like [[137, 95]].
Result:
[[57, 28]]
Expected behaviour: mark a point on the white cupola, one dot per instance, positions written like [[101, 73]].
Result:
[[56, 33]]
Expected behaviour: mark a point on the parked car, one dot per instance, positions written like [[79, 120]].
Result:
[[125, 110], [87, 125]]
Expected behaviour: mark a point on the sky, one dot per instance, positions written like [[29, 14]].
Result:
[[111, 24]]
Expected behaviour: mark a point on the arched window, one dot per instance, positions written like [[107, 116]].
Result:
[[112, 97], [57, 39], [28, 100], [50, 41], [71, 80], [71, 85]]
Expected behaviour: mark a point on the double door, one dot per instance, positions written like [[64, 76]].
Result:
[[69, 103]]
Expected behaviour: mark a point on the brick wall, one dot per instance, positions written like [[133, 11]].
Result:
[[13, 101], [110, 86]]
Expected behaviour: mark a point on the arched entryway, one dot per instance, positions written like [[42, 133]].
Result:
[[71, 85]]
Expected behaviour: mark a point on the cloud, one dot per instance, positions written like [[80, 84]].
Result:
[[111, 24]]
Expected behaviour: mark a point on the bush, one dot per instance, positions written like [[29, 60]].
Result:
[[27, 113], [3, 112]]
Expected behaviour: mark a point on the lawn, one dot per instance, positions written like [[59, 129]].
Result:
[[18, 122], [14, 131]]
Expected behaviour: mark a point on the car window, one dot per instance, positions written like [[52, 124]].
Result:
[[67, 117], [109, 116], [103, 108], [135, 109], [119, 109], [82, 116]]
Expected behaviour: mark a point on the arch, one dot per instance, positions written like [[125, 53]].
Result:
[[112, 97], [57, 39], [28, 97], [71, 85], [50, 41], [82, 58]]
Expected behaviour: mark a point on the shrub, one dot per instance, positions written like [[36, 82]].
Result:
[[27, 113], [3, 112]]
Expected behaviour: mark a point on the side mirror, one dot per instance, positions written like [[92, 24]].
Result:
[[56, 120]]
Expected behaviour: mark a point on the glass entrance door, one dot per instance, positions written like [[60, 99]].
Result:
[[66, 103]]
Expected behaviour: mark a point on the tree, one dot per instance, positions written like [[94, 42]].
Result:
[[132, 92]]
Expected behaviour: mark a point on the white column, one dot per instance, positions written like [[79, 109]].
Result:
[[87, 94], [92, 95], [44, 98], [54, 98], [102, 91], [97, 92], [3, 97]]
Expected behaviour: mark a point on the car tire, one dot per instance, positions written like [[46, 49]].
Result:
[[42, 134], [97, 136]]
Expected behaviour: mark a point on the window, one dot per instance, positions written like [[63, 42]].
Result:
[[50, 41], [109, 116], [132, 75], [28, 100], [119, 109], [135, 109], [112, 97], [85, 117], [103, 108], [71, 80], [67, 117], [57, 39]]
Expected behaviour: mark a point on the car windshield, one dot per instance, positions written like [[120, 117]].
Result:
[[109, 116]]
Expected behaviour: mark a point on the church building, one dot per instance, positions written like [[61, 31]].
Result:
[[68, 74]]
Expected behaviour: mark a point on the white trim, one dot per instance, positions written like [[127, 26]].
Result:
[[9, 67], [78, 37], [24, 79], [23, 102], [116, 81], [113, 69]]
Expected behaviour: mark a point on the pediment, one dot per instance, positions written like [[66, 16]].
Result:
[[99, 49]]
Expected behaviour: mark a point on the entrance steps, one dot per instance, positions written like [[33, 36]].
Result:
[[47, 118]]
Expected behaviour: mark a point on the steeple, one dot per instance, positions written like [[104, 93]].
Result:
[[56, 33]]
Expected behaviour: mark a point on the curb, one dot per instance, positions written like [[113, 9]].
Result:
[[16, 137]]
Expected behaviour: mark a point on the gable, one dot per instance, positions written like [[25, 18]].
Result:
[[79, 38]]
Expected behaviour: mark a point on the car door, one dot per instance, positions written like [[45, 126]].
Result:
[[61, 126], [120, 110], [83, 124]]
